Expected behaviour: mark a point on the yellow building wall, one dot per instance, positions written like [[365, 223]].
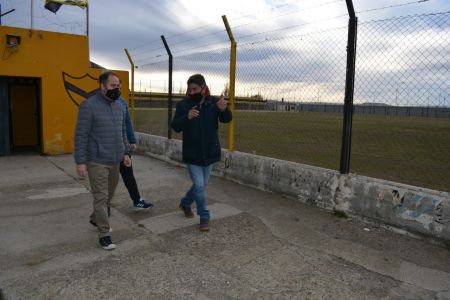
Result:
[[48, 55]]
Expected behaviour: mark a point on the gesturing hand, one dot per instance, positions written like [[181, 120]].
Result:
[[221, 103], [193, 113]]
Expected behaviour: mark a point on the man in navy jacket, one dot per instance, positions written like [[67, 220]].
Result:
[[198, 116]]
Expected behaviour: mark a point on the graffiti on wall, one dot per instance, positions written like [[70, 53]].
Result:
[[424, 209]]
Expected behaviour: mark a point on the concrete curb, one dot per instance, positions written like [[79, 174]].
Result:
[[410, 208]]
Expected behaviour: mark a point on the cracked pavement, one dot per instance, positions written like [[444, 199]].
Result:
[[261, 245]]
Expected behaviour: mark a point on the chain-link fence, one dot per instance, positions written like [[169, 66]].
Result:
[[151, 115], [290, 95], [403, 75], [290, 74]]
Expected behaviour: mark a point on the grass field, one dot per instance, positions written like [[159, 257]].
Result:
[[410, 150]]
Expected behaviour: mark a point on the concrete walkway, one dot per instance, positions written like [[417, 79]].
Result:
[[261, 245]]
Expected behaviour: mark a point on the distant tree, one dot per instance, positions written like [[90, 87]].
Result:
[[257, 97]]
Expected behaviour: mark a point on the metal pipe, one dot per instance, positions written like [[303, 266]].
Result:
[[32, 14], [169, 104], [4, 14], [232, 83], [87, 20], [87, 33]]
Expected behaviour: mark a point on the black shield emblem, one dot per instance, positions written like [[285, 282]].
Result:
[[80, 88]]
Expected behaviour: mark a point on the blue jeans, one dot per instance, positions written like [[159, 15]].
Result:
[[199, 176]]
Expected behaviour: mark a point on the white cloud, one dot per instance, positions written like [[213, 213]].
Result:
[[310, 67]]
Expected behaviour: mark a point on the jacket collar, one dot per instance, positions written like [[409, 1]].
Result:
[[207, 101], [104, 98]]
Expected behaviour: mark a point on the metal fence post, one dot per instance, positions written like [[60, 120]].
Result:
[[349, 89], [169, 103], [4, 14], [132, 87], [232, 83]]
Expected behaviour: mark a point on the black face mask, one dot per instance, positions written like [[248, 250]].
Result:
[[113, 94], [197, 97]]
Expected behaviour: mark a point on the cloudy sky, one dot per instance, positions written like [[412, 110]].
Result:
[[195, 27]]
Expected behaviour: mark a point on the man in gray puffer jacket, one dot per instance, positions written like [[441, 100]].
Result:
[[100, 146]]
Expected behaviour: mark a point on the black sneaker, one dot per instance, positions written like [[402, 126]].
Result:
[[142, 205], [106, 243], [204, 225], [187, 211]]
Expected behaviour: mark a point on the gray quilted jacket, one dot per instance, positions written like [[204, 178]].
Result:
[[100, 134]]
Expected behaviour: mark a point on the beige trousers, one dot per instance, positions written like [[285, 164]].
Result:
[[103, 180]]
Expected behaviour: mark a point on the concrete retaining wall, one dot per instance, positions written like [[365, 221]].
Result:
[[407, 207]]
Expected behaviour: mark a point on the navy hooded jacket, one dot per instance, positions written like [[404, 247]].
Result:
[[201, 144]]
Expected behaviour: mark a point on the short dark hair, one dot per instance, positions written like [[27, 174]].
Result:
[[103, 78], [198, 79]]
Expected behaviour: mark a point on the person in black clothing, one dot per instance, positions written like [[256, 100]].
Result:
[[198, 116], [127, 170]]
